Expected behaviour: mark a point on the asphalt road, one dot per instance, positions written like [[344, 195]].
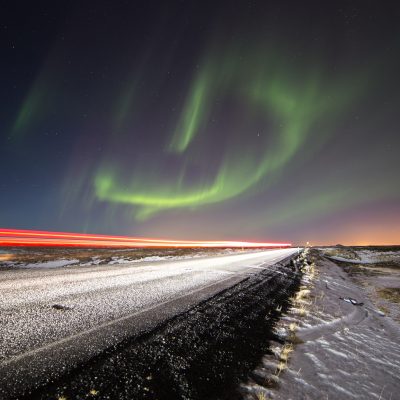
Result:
[[97, 307]]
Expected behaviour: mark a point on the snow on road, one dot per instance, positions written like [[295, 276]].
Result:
[[96, 295]]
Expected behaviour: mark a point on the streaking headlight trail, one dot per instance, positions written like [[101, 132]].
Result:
[[15, 237]]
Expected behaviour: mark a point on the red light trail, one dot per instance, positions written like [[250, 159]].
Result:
[[17, 237]]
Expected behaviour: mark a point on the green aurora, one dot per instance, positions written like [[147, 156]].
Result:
[[291, 103]]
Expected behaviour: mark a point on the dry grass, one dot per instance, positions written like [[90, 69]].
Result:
[[285, 353], [281, 367], [301, 301], [302, 311], [389, 294], [284, 356], [6, 257], [261, 396], [303, 294], [293, 327]]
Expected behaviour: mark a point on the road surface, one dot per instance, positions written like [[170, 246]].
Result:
[[53, 319]]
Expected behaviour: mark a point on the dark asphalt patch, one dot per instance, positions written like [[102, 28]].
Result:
[[200, 354], [60, 307]]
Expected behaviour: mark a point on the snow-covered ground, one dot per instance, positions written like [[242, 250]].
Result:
[[362, 256], [58, 263], [121, 260], [345, 351], [51, 264], [16, 258]]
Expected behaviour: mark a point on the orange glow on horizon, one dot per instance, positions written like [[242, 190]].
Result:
[[18, 237]]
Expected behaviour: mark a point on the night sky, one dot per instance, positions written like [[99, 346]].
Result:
[[249, 120]]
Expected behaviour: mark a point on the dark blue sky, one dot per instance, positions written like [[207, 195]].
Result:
[[226, 120]]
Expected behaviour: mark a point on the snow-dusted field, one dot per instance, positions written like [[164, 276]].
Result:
[[362, 256], [57, 257], [347, 351]]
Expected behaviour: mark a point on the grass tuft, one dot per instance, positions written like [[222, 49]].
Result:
[[261, 396], [285, 353], [390, 294], [293, 327], [281, 367]]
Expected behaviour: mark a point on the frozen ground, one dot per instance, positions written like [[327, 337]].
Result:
[[362, 255], [377, 270], [23, 257], [344, 351], [51, 264]]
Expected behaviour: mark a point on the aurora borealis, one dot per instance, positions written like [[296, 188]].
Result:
[[252, 121], [266, 95]]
